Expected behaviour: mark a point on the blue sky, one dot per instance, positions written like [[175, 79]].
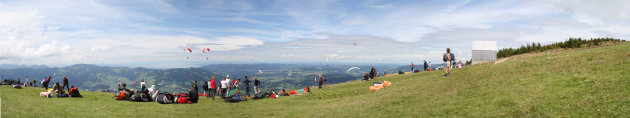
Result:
[[154, 33]]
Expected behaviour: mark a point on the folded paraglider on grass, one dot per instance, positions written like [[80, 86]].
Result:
[[379, 85]]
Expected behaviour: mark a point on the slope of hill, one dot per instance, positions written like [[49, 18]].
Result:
[[574, 83]]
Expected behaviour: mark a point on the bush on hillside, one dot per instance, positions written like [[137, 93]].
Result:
[[571, 43]]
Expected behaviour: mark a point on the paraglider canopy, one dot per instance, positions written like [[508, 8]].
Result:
[[353, 68], [206, 50], [189, 51]]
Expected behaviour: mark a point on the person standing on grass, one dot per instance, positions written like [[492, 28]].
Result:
[[65, 83], [256, 84], [246, 83], [425, 65], [224, 86], [411, 67], [321, 80], [213, 88], [372, 73], [196, 86], [45, 83], [142, 85], [119, 84], [449, 62], [205, 88]]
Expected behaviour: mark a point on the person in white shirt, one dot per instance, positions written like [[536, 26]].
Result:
[[227, 85], [153, 92], [142, 85]]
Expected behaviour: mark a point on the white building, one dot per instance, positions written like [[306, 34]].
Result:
[[484, 51]]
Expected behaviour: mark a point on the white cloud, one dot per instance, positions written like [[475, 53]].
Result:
[[334, 56], [356, 21], [101, 48], [234, 42]]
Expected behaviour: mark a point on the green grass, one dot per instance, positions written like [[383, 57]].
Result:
[[573, 83]]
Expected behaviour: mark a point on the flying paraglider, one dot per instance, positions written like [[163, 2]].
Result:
[[355, 44], [189, 51], [206, 50], [354, 68], [260, 71]]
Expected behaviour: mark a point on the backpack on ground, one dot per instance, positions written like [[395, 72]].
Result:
[[122, 95], [182, 99], [233, 99], [140, 97], [164, 98], [258, 96]]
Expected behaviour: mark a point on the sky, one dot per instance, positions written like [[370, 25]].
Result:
[[155, 33]]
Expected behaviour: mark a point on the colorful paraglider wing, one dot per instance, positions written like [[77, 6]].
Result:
[[260, 72], [189, 50]]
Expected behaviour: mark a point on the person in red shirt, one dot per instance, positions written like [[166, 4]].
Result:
[[213, 88]]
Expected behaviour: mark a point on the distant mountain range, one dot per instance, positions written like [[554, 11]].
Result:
[[12, 66], [274, 76]]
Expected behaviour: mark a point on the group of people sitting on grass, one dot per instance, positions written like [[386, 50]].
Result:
[[142, 95], [230, 91], [371, 75], [59, 90]]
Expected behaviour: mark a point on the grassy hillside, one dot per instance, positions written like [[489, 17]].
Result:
[[572, 83]]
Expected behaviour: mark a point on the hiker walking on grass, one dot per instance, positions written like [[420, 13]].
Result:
[[256, 84], [448, 58], [213, 87], [65, 83], [246, 83]]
